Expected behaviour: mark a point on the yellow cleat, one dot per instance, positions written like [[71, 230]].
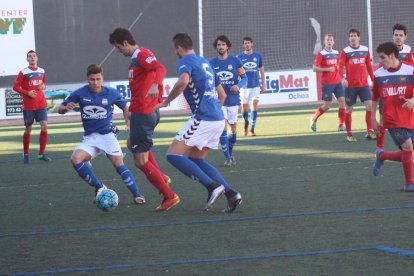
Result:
[[351, 139]]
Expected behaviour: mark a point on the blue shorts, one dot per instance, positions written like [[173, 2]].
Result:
[[141, 131], [30, 115], [400, 135], [351, 95], [327, 90]]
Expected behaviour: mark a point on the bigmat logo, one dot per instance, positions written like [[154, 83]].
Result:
[[285, 87]]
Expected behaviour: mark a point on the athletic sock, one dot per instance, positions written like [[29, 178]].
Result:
[[232, 137], [246, 118], [253, 117], [318, 113], [151, 158], [348, 123], [42, 141], [392, 155], [224, 142], [155, 177], [368, 120], [26, 143], [381, 137], [212, 172], [87, 174], [189, 168], [129, 180], [407, 162], [341, 116]]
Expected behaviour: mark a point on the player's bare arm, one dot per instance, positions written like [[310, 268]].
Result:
[[262, 77], [65, 108], [409, 103], [178, 88], [221, 94]]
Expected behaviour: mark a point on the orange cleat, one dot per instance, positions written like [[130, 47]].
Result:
[[168, 203]]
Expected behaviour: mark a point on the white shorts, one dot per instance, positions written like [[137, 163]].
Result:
[[231, 113], [247, 95], [201, 134], [96, 144]]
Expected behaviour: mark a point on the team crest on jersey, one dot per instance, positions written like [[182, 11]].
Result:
[[254, 59], [225, 75], [105, 101], [230, 67]]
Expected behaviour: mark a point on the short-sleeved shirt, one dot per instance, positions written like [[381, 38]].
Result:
[[252, 64], [96, 108], [357, 62], [326, 59], [200, 93], [29, 79]]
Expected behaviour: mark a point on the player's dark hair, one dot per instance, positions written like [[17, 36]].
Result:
[[119, 35], [30, 52], [183, 40], [247, 38], [400, 27], [223, 38], [388, 48], [354, 31], [93, 69]]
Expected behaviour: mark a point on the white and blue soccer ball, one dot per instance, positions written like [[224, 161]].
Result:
[[107, 200]]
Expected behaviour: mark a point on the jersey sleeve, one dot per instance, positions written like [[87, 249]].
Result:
[[368, 62], [375, 92], [318, 60], [183, 68], [72, 98], [18, 84], [150, 63], [119, 100]]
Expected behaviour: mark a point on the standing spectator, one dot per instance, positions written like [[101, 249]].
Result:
[[30, 83]]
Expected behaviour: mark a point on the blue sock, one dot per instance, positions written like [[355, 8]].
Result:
[[86, 174], [246, 118], [212, 172], [253, 117], [129, 180], [232, 141], [189, 168], [224, 142]]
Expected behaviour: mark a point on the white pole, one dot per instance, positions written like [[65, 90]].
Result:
[[369, 23], [200, 26]]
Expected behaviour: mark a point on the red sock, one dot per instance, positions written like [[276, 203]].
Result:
[[318, 113], [26, 143], [392, 155], [151, 159], [348, 123], [341, 116], [368, 120], [407, 162], [154, 176], [381, 137], [42, 141]]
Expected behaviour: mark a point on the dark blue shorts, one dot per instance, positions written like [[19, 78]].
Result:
[[329, 89], [141, 131], [400, 135], [30, 115], [351, 95]]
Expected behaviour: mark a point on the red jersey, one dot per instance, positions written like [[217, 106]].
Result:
[[357, 63], [406, 54], [143, 72], [29, 79], [326, 59], [393, 86]]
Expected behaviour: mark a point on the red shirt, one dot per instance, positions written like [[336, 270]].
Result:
[[357, 63], [29, 79], [143, 72], [393, 86], [326, 59]]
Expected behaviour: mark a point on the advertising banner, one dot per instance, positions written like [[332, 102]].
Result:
[[16, 35]]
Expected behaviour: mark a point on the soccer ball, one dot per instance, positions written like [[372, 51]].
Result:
[[107, 200]]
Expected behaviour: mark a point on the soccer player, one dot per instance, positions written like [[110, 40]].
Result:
[[203, 93], [327, 62], [30, 83], [96, 104], [253, 64], [146, 77], [405, 54], [394, 83], [356, 60], [229, 69]]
